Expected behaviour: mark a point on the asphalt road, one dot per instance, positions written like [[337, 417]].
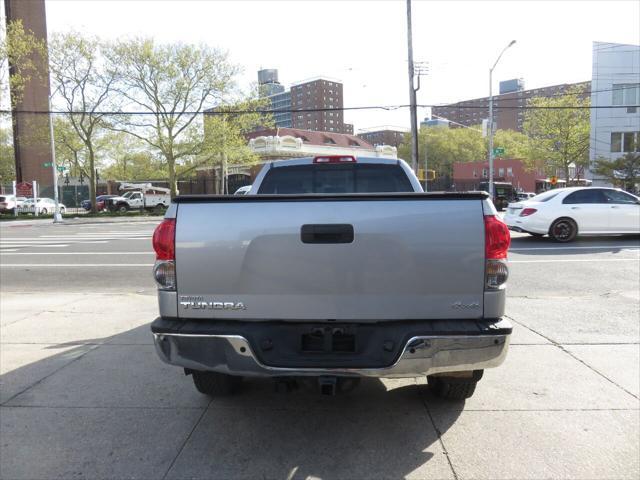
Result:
[[83, 395], [117, 258]]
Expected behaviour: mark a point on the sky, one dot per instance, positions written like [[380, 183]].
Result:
[[364, 42]]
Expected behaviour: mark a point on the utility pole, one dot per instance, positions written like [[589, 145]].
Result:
[[412, 94], [491, 118], [420, 69]]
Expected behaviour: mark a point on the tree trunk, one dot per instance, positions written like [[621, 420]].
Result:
[[566, 174], [92, 179]]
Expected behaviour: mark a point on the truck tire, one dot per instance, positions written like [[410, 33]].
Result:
[[122, 208], [454, 388], [215, 384]]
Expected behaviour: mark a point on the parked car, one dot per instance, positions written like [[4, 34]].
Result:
[[565, 213], [521, 196], [8, 203], [100, 202], [243, 190], [366, 277], [44, 206], [503, 193]]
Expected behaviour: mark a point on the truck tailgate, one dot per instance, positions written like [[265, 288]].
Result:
[[317, 258]]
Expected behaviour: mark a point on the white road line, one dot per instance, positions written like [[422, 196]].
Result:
[[566, 260], [65, 265], [68, 239], [621, 247], [57, 245], [75, 253]]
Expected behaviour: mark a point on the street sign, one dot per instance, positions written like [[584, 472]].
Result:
[[61, 168], [498, 151], [47, 164], [24, 189], [553, 180]]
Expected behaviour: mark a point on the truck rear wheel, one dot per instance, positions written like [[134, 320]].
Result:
[[215, 384], [454, 387]]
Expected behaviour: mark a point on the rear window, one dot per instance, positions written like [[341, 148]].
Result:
[[545, 196], [2, 199], [353, 178]]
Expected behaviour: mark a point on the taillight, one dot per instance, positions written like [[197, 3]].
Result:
[[496, 238], [164, 240], [164, 244], [335, 159], [496, 246], [528, 211]]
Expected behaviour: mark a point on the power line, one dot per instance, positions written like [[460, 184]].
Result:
[[310, 110]]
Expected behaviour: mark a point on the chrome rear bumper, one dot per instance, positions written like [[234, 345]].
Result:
[[421, 355]]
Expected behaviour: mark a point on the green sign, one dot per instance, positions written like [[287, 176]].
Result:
[[46, 164], [498, 151], [61, 168]]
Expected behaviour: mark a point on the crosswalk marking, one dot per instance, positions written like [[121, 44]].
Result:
[[12, 244]]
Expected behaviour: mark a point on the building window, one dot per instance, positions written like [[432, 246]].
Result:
[[624, 142], [485, 173], [509, 172], [475, 174], [501, 172], [626, 94]]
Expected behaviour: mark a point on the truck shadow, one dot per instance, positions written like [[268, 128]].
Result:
[[379, 430]]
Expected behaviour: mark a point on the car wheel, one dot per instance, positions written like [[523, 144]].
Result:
[[159, 208], [123, 208], [63, 210], [563, 230], [44, 211], [215, 384], [454, 388]]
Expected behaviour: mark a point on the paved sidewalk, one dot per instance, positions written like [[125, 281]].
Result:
[[83, 395]]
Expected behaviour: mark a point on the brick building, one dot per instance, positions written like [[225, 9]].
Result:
[[469, 175], [384, 136], [507, 110], [319, 94], [30, 115]]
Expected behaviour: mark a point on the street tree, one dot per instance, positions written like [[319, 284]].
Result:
[[169, 85], [127, 158], [23, 58], [558, 130], [70, 150], [224, 142], [82, 85], [445, 146], [623, 172], [7, 159]]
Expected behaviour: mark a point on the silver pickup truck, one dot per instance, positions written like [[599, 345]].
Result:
[[329, 270]]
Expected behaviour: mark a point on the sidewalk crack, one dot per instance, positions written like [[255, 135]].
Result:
[[561, 347], [438, 432]]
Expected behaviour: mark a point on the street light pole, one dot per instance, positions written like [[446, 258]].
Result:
[[57, 218], [491, 118], [412, 94]]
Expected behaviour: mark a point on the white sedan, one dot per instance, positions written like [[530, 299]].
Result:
[[564, 213], [45, 206]]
